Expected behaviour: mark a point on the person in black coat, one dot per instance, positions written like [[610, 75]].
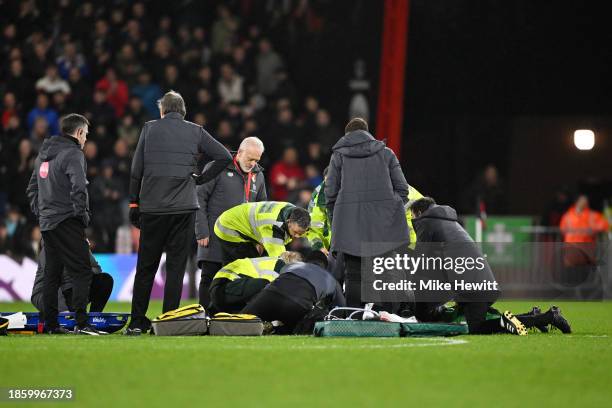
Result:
[[59, 200], [163, 201], [242, 181], [366, 192], [440, 234]]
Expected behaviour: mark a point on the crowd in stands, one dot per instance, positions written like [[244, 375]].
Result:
[[112, 61]]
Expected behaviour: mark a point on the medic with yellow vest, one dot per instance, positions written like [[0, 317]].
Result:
[[269, 224], [319, 234], [237, 282], [413, 195]]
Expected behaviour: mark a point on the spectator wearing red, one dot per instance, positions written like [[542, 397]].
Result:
[[286, 175], [116, 91], [10, 108]]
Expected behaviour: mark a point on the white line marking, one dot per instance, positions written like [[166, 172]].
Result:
[[428, 342]]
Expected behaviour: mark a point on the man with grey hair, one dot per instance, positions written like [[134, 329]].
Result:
[[163, 200], [242, 181]]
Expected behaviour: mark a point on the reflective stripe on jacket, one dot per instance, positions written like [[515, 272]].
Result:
[[413, 195], [260, 222], [319, 234], [258, 268]]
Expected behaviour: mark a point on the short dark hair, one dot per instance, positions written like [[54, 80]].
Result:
[[71, 122], [421, 205], [172, 102], [356, 124], [317, 258], [301, 217]]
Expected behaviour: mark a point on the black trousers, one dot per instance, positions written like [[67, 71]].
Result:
[[209, 269], [352, 280], [99, 293], [231, 296], [352, 285], [66, 247], [158, 233], [274, 303]]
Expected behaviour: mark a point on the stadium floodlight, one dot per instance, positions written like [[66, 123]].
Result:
[[584, 139]]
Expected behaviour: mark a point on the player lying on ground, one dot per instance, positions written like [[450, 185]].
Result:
[[439, 224]]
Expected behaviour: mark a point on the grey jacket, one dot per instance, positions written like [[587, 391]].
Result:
[[225, 191], [165, 158], [326, 287], [58, 186], [366, 191]]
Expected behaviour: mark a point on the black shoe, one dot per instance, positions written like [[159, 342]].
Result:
[[133, 331], [58, 330], [3, 326], [138, 327], [511, 324], [559, 321], [89, 331], [537, 311]]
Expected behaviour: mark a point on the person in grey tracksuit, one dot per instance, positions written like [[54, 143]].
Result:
[[163, 200], [58, 198]]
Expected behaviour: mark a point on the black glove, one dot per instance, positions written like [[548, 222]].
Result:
[[135, 216], [197, 178], [84, 218]]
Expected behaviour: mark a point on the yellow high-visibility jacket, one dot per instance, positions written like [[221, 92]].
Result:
[[319, 234], [260, 222], [413, 195], [258, 268]]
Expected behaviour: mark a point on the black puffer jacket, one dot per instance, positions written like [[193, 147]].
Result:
[[58, 186], [225, 191], [366, 191], [165, 158], [439, 223], [439, 234]]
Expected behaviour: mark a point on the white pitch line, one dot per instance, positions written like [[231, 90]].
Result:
[[430, 342]]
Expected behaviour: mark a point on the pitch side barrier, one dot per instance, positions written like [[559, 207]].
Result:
[[488, 271]]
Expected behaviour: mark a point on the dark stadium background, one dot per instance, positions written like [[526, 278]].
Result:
[[507, 82]]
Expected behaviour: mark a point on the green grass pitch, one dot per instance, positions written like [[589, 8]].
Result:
[[539, 370]]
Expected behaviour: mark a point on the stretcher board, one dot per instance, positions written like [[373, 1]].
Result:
[[108, 322]]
